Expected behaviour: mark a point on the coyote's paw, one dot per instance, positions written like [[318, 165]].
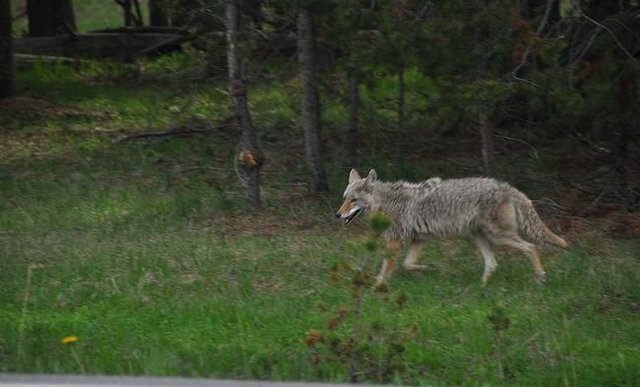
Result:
[[380, 286], [415, 267], [541, 278]]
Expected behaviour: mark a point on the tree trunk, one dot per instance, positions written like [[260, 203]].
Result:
[[128, 16], [131, 19], [157, 15], [138, 20], [401, 92], [7, 76], [50, 17], [486, 136], [352, 129], [400, 138], [310, 101], [250, 158]]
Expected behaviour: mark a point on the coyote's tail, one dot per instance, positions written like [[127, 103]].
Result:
[[530, 223]]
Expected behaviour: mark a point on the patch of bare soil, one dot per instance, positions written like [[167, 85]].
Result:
[[270, 225], [30, 109]]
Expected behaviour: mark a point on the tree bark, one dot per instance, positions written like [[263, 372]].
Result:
[[401, 92], [352, 129], [7, 74], [250, 158], [131, 19], [128, 15], [157, 15], [50, 17], [138, 20], [310, 101], [486, 135], [400, 138]]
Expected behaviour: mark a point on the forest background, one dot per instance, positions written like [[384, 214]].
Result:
[[168, 187]]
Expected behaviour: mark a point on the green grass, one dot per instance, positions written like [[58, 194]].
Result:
[[145, 251]]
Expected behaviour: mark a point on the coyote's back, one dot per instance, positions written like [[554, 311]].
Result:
[[453, 207]]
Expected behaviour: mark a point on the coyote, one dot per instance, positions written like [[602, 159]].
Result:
[[491, 211]]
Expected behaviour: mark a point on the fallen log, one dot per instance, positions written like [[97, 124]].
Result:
[[197, 126], [144, 30], [29, 59], [99, 45]]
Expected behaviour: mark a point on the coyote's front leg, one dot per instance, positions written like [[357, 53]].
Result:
[[389, 262], [410, 261]]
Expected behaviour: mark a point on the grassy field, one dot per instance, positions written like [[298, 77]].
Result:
[[143, 255]]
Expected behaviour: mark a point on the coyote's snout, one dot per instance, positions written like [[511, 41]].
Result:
[[491, 211], [349, 213], [353, 205]]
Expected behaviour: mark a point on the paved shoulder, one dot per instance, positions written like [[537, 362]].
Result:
[[17, 380]]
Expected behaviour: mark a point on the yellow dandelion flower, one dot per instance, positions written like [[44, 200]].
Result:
[[69, 340]]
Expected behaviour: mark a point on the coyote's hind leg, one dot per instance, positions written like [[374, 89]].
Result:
[[530, 250], [504, 231]]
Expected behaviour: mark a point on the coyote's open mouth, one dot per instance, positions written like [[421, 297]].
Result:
[[355, 211]]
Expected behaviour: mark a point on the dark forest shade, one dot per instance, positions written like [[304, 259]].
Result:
[[50, 17], [7, 86]]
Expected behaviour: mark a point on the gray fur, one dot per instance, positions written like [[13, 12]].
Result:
[[491, 211]]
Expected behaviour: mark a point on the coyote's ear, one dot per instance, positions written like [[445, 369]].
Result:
[[373, 176], [353, 176]]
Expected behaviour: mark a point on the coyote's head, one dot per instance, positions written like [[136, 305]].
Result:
[[357, 196]]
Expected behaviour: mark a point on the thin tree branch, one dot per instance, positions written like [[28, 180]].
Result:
[[527, 52], [613, 36], [587, 45], [534, 151]]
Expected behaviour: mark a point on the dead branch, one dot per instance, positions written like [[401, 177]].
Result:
[[162, 44], [592, 145], [534, 151], [144, 30], [613, 36], [28, 59]]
